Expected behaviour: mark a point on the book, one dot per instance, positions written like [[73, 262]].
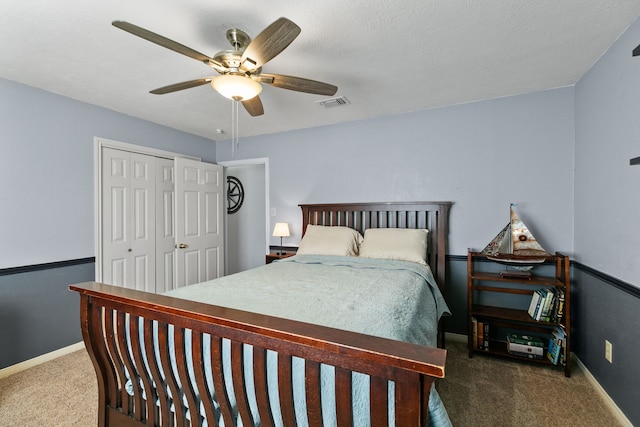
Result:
[[548, 300], [486, 336], [530, 340], [543, 296], [557, 343], [535, 303], [527, 355], [560, 309], [480, 335], [554, 306], [524, 349]]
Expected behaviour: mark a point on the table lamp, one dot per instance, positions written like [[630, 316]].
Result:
[[281, 230]]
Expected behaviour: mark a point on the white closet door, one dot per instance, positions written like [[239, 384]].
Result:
[[199, 221], [165, 229], [128, 197]]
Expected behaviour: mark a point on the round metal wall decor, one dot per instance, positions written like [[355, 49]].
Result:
[[235, 194]]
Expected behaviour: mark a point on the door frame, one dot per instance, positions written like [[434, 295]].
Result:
[[98, 144], [251, 162]]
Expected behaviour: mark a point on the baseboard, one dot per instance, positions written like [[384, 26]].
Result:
[[14, 369], [620, 416]]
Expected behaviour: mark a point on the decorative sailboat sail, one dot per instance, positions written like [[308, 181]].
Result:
[[515, 244]]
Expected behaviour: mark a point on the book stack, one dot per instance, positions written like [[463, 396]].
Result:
[[547, 305], [528, 346], [480, 334], [557, 349]]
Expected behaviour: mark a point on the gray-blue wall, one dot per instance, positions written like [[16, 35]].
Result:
[[481, 156], [38, 314], [47, 208], [607, 232], [47, 173]]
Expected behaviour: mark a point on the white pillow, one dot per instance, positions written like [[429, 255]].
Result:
[[330, 240], [404, 244]]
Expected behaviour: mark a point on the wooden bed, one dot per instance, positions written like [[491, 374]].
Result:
[[110, 314]]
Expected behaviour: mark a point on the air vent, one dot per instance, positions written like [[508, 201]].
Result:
[[334, 102]]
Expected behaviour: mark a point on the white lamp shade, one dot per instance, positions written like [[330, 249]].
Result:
[[281, 229], [237, 87]]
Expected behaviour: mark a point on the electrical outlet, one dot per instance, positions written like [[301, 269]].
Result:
[[608, 351]]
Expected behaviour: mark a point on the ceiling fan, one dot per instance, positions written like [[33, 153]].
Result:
[[240, 68]]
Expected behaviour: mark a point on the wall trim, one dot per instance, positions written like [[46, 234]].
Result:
[[624, 286], [45, 266], [22, 366]]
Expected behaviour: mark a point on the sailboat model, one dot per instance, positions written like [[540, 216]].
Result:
[[515, 245]]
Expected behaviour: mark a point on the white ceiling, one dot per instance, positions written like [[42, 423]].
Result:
[[385, 56]]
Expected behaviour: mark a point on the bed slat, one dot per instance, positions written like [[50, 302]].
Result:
[[197, 350], [239, 382], [185, 379], [285, 388], [344, 416], [378, 407], [121, 401], [312, 389], [146, 411], [260, 384], [170, 378], [218, 380], [159, 393]]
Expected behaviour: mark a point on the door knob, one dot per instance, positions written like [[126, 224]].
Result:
[[182, 245]]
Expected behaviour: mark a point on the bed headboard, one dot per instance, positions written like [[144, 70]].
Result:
[[433, 216]]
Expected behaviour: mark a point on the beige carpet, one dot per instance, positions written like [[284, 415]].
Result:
[[482, 391], [59, 393], [491, 391]]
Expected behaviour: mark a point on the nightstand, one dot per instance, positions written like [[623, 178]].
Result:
[[274, 256]]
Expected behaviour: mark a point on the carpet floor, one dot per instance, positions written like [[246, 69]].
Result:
[[482, 391]]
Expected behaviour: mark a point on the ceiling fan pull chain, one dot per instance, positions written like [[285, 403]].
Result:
[[234, 127]]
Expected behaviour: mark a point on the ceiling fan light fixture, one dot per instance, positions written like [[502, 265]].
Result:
[[237, 87]]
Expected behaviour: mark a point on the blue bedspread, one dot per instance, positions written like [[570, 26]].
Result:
[[391, 299]]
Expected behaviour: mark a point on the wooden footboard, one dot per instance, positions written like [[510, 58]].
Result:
[[122, 328]]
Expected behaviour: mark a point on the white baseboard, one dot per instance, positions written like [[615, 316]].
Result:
[[14, 369], [620, 416]]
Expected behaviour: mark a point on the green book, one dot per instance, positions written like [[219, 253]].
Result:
[[531, 340]]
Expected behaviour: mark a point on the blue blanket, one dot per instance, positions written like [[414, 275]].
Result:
[[391, 299]]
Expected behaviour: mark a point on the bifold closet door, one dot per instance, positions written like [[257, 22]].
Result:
[[128, 219], [165, 227]]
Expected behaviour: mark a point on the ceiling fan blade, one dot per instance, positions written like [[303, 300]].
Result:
[[165, 42], [180, 86], [269, 43], [254, 106], [298, 84]]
